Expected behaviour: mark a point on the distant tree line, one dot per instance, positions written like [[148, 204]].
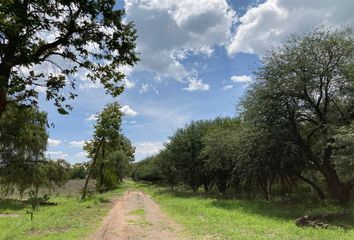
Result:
[[295, 124], [24, 166]]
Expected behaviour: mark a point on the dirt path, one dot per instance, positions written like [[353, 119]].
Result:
[[136, 216]]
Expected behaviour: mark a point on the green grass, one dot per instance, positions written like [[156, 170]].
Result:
[[139, 211], [219, 218], [70, 219], [203, 217]]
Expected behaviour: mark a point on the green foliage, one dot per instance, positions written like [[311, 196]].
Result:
[[221, 151], [167, 167], [304, 92], [90, 37], [23, 140], [185, 146], [343, 154], [78, 171], [111, 152], [296, 123], [146, 170]]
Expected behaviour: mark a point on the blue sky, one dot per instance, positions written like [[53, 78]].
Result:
[[197, 58]]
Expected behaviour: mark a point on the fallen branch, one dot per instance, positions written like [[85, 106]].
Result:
[[320, 220]]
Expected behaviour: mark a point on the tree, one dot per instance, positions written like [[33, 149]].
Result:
[[220, 151], [109, 149], [305, 88], [78, 170], [147, 170], [23, 140], [185, 146], [45, 44], [167, 166]]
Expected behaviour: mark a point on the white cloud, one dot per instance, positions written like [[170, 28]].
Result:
[[40, 89], [128, 84], [227, 87], [196, 85], [269, 23], [90, 85], [92, 117], [170, 31], [127, 70], [241, 79], [53, 142], [128, 111], [81, 155], [145, 149], [56, 154], [79, 144], [144, 88]]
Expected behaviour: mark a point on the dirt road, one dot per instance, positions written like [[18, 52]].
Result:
[[136, 216]]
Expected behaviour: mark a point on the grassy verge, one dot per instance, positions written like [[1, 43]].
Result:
[[70, 219], [219, 218]]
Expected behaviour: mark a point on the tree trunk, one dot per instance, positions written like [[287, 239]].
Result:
[[222, 186], [101, 169], [319, 191], [4, 80], [337, 189], [84, 191], [263, 185], [2, 101]]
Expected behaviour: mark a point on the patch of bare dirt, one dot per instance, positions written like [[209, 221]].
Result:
[[137, 217]]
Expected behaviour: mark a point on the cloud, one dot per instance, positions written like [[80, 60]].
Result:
[[269, 23], [146, 149], [79, 144], [170, 31], [144, 88], [227, 87], [53, 142], [196, 85], [56, 154], [81, 155], [241, 79], [128, 111], [92, 117], [128, 84], [90, 85]]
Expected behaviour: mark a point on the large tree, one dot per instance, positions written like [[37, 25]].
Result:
[[23, 141], [220, 152], [185, 146], [46, 44], [306, 88], [109, 149]]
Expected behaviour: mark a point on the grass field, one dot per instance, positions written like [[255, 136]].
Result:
[[219, 218], [202, 217], [70, 219]]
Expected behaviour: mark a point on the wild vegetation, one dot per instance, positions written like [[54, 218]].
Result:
[[295, 125]]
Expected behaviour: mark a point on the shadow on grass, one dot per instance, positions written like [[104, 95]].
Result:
[[287, 210], [12, 205]]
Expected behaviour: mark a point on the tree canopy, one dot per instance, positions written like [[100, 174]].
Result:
[[46, 45], [110, 151], [305, 88]]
